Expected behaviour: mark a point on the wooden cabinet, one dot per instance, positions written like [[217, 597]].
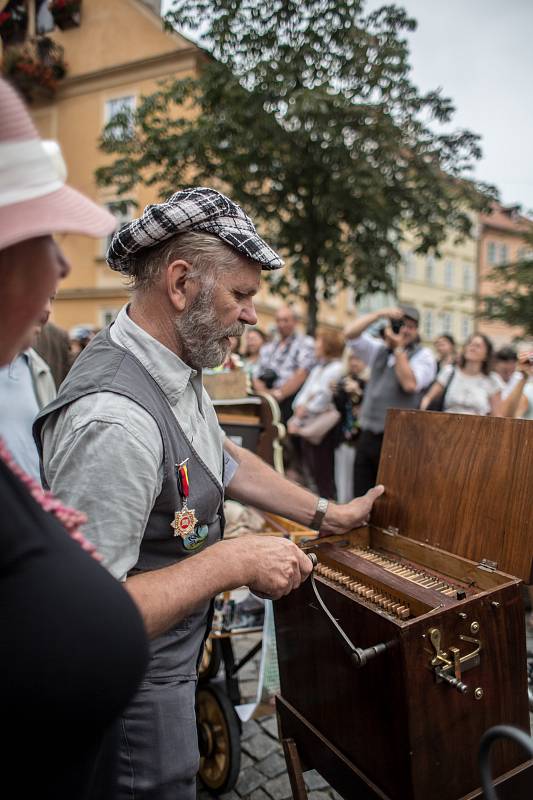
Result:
[[436, 579]]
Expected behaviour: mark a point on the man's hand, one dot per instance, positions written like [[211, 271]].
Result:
[[392, 313], [394, 340], [340, 519], [271, 566], [525, 364]]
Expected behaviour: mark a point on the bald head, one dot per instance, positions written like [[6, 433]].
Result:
[[286, 321]]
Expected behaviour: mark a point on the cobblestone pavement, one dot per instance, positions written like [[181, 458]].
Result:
[[263, 774]]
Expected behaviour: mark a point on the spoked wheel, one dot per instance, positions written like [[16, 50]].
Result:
[[210, 663], [219, 739]]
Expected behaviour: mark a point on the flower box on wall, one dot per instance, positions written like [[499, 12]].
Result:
[[35, 68], [13, 23], [66, 13]]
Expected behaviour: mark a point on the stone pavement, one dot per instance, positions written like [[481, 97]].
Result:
[[263, 774]]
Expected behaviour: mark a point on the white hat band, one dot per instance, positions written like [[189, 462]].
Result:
[[29, 169]]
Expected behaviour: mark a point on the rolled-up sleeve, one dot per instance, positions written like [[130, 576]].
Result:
[[424, 368], [365, 347], [109, 466], [230, 468]]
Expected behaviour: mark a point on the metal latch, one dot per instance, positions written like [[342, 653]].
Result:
[[487, 565], [449, 666]]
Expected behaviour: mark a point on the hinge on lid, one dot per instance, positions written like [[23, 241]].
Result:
[[489, 566], [391, 530]]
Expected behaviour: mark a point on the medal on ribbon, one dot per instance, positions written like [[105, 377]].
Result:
[[184, 520]]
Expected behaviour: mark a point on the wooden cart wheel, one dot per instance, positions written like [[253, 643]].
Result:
[[219, 739], [210, 663]]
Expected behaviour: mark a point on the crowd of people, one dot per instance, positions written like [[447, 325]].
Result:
[[114, 469], [335, 390]]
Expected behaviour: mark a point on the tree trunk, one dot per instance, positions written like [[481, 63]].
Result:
[[312, 302]]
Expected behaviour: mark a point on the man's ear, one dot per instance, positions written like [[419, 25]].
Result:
[[176, 277]]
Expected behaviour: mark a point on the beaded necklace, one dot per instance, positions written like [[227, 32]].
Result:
[[68, 517]]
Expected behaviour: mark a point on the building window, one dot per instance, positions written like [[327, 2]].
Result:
[[409, 266], [448, 274], [428, 324], [430, 270], [466, 327], [122, 210], [445, 322], [468, 278], [503, 254], [119, 106], [491, 252]]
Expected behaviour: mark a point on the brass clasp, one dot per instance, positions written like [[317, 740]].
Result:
[[449, 665]]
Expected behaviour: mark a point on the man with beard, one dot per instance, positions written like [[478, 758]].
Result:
[[134, 442]]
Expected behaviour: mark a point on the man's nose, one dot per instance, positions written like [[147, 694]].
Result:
[[248, 314]]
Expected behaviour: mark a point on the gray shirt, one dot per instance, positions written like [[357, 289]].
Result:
[[26, 385], [107, 440]]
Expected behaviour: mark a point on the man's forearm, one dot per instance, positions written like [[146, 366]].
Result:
[[359, 326], [404, 373], [292, 385], [509, 406], [255, 483], [166, 596]]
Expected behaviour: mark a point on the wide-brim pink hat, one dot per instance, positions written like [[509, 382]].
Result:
[[34, 200]]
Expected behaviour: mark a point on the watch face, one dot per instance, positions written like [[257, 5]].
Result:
[[321, 507]]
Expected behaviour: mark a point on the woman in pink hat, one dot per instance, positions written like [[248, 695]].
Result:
[[73, 643]]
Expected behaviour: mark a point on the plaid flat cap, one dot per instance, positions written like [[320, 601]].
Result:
[[197, 209]]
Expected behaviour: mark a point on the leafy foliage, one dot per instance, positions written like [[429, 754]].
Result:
[[512, 301], [304, 112]]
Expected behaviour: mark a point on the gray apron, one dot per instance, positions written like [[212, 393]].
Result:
[[159, 746]]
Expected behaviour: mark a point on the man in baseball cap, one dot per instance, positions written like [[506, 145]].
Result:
[[401, 370], [134, 441]]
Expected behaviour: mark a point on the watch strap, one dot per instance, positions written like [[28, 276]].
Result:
[[320, 513]]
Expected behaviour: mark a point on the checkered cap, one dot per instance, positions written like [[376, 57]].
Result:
[[198, 209]]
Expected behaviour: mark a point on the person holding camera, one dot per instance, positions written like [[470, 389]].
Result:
[[400, 370]]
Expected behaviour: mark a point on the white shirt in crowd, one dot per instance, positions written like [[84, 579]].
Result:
[[507, 388], [316, 394], [467, 394]]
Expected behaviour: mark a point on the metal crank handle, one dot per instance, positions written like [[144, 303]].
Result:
[[359, 656], [453, 681]]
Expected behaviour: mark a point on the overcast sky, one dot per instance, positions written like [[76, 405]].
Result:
[[481, 53]]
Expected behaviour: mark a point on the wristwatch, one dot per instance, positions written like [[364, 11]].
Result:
[[320, 513]]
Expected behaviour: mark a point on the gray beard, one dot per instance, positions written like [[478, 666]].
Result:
[[201, 337]]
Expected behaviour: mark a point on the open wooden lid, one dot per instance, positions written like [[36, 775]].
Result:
[[461, 483]]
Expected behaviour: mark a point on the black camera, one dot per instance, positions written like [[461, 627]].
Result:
[[269, 377], [396, 325]]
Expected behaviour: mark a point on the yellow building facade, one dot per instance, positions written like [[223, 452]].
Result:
[[121, 52], [118, 53], [444, 289]]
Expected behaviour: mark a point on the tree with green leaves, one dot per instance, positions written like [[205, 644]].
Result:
[[512, 300], [306, 115]]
